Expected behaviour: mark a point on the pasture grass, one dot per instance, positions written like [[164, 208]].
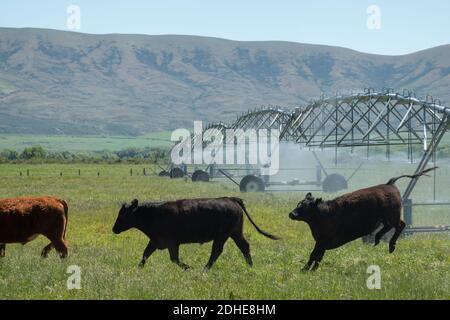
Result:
[[57, 143], [419, 268]]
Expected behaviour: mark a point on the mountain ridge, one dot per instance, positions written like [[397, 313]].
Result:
[[60, 82], [28, 29]]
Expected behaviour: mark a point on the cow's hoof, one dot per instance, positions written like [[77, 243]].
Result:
[[391, 249], [185, 267], [249, 260], [206, 269], [141, 265]]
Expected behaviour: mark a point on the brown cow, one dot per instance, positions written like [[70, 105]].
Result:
[[335, 222], [22, 219]]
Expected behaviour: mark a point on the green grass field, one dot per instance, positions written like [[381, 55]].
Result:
[[419, 269], [84, 143]]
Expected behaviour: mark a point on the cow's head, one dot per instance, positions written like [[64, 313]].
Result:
[[125, 218], [306, 209]]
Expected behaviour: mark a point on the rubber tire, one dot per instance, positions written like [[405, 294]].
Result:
[[253, 180], [334, 183], [200, 175], [176, 173], [164, 173]]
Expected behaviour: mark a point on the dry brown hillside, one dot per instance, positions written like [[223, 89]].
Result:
[[72, 83]]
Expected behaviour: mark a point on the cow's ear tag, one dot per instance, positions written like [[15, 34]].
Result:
[[134, 203]]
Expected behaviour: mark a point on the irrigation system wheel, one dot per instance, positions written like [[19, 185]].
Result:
[[176, 173], [164, 173], [200, 175], [334, 183], [251, 183]]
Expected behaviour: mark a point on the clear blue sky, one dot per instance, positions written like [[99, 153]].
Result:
[[406, 26]]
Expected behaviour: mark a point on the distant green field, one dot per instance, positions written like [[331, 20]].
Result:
[[418, 269], [6, 88], [59, 143], [84, 143]]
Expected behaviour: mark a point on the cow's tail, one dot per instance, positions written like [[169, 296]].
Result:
[[241, 204], [66, 211], [414, 176]]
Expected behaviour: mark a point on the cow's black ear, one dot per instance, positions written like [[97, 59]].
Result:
[[319, 200], [308, 195], [134, 203]]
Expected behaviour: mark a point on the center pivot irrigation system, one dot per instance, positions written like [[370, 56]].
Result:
[[366, 119]]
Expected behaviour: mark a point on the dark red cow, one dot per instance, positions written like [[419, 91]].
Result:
[[335, 222]]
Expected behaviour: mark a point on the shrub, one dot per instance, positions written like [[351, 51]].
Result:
[[35, 152]]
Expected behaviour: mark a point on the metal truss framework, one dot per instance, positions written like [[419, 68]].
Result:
[[374, 119], [362, 119], [262, 118]]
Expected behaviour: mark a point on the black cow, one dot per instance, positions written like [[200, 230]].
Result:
[[169, 224], [335, 222]]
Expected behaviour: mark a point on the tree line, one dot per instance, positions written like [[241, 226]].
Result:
[[37, 154]]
